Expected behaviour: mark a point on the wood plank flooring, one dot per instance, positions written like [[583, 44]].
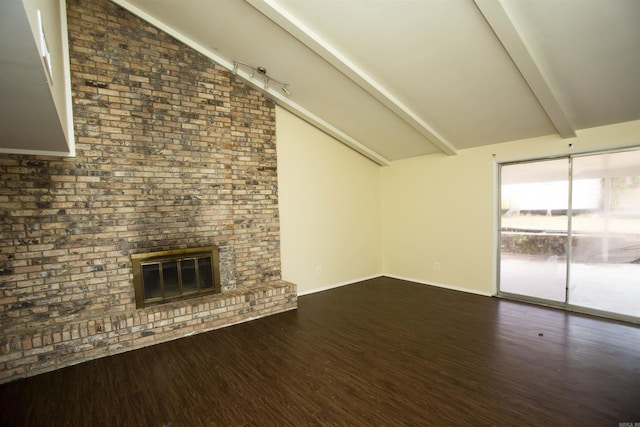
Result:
[[382, 352]]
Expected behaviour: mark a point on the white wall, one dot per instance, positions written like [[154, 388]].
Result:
[[443, 208], [329, 202]]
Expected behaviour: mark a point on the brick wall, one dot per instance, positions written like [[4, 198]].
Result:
[[172, 152]]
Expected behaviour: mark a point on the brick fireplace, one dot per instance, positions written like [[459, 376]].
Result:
[[172, 152]]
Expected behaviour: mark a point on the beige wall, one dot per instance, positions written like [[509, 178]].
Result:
[[442, 208], [329, 202], [438, 209], [355, 220]]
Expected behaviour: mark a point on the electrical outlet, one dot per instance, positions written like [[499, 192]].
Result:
[[318, 270], [437, 266]]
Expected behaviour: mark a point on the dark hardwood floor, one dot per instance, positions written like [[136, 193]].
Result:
[[383, 352]]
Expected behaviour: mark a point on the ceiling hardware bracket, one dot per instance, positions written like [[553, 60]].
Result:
[[266, 78]]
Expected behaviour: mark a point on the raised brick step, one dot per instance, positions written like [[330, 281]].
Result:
[[28, 353]]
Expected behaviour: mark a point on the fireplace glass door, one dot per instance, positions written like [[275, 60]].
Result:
[[161, 277]]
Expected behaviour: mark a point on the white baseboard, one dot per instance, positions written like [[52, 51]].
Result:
[[439, 285], [337, 285]]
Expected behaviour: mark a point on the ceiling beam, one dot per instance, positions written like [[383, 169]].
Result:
[[272, 10], [503, 27], [258, 84]]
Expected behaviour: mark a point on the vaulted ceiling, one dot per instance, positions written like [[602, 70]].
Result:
[[401, 78]]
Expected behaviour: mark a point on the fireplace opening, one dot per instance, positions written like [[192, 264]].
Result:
[[165, 276]]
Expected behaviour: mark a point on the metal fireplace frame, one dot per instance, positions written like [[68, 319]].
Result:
[[173, 288]]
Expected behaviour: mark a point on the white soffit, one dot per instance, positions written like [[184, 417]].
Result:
[[35, 112]]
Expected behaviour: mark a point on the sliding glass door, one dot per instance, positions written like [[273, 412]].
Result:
[[605, 249], [534, 229], [570, 232]]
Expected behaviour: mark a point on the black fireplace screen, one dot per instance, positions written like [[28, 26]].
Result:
[[160, 277]]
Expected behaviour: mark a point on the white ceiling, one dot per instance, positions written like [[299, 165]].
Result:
[[401, 78]]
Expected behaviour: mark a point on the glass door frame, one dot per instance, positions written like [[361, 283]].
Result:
[[541, 301]]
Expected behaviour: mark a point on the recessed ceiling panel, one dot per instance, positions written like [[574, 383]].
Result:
[[440, 58], [590, 52]]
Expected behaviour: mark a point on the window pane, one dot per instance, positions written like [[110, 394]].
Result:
[[206, 278], [189, 279], [170, 278], [151, 281]]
